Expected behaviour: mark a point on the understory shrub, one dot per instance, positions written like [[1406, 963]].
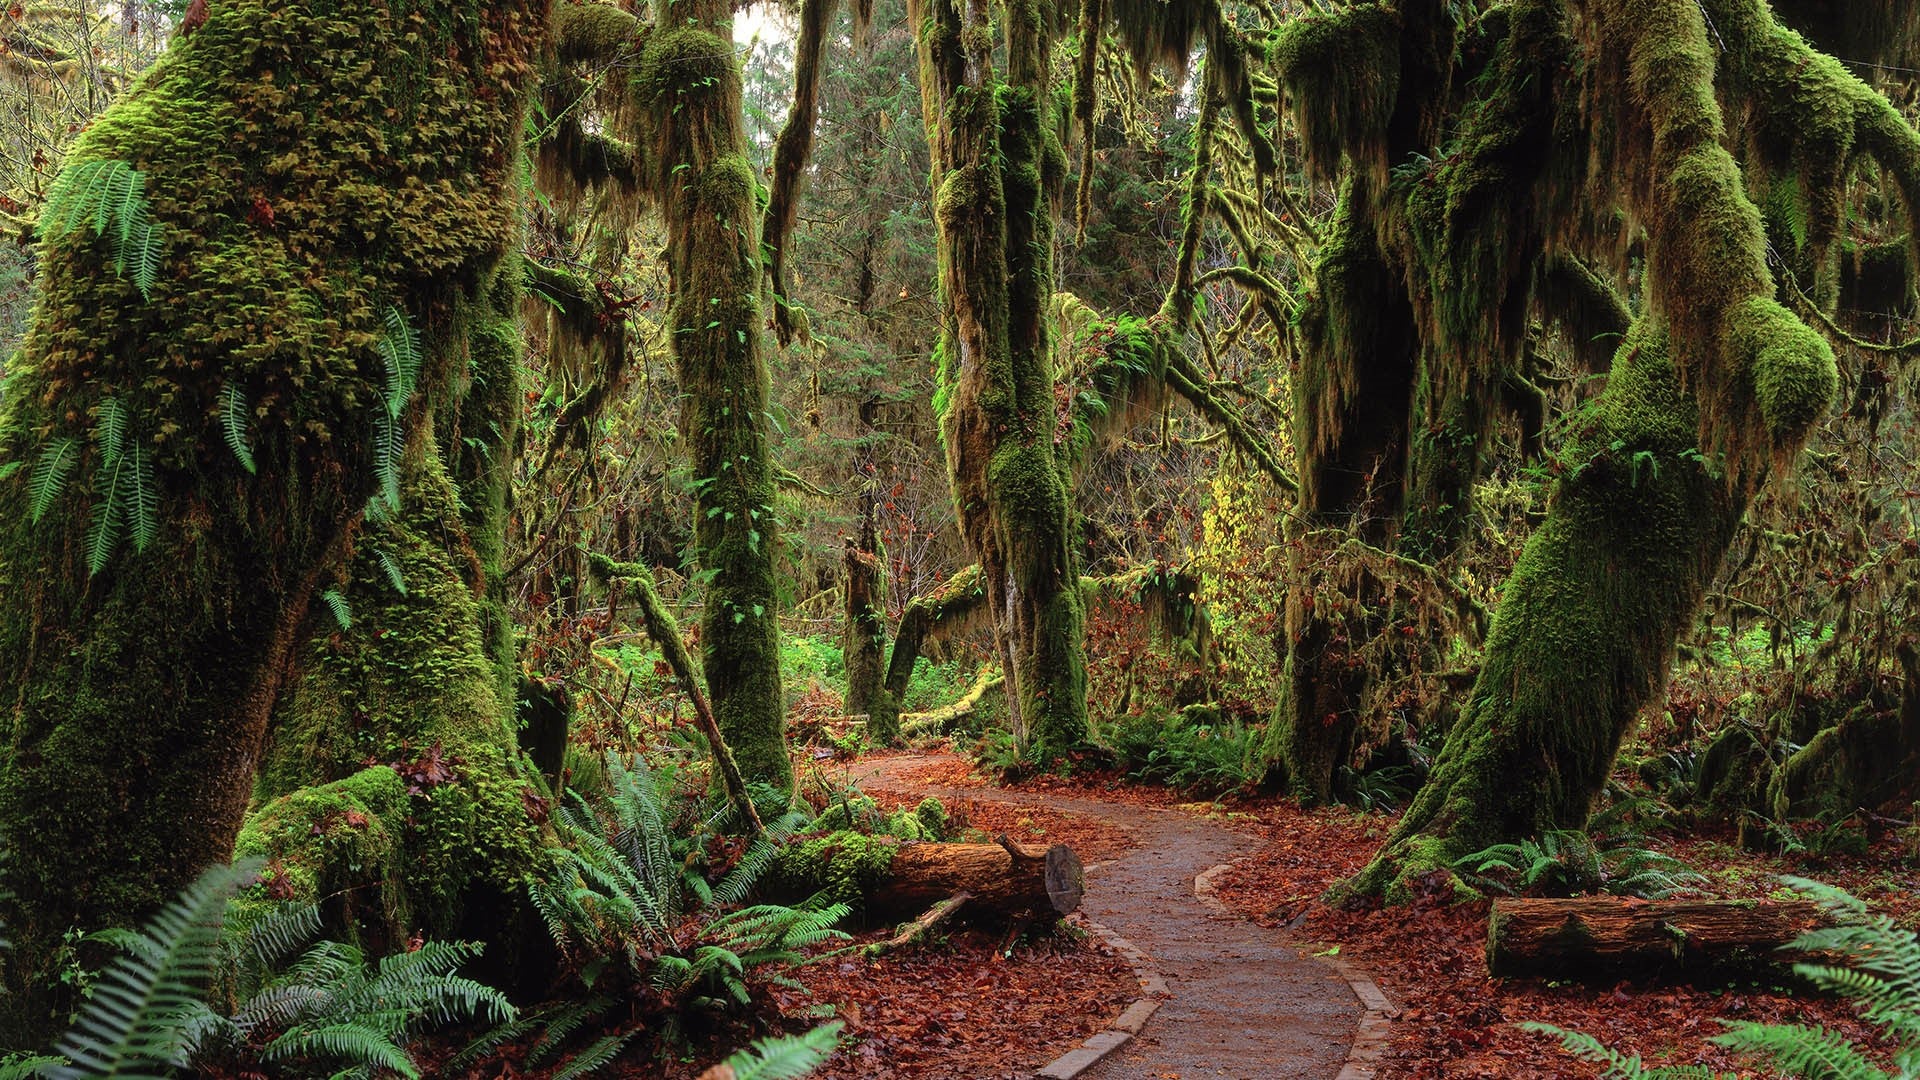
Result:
[[654, 943], [326, 1012], [1192, 749]]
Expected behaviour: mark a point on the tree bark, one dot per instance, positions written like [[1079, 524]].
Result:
[[864, 643], [1716, 384], [949, 609], [139, 695]]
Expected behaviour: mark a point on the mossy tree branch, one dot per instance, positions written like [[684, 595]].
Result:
[[664, 629]]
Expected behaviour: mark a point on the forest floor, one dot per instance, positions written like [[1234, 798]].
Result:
[[1241, 1004], [1144, 845]]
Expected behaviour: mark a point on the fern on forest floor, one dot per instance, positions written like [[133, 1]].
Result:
[[327, 1012], [628, 905], [1879, 972], [1608, 856]]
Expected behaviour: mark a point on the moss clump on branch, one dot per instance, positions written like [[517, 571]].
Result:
[[1342, 69], [340, 844]]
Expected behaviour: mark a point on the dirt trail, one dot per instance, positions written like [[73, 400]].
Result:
[[1242, 1005]]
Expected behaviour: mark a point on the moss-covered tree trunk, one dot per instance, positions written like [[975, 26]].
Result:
[[317, 184], [689, 85], [1585, 632], [864, 643], [1350, 404], [997, 165]]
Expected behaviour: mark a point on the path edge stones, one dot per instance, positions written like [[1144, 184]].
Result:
[[1121, 1030], [1370, 1038]]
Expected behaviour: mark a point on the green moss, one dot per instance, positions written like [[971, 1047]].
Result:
[[296, 201], [1343, 70], [591, 31], [842, 867], [339, 842], [413, 683], [1585, 631], [933, 817], [687, 97], [1790, 367], [997, 178]]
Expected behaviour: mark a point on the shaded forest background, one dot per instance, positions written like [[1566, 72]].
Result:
[[1327, 357]]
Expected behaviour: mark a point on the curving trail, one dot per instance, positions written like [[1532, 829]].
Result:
[[1240, 1005]]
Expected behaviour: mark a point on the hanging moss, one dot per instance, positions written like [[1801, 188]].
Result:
[[1342, 69], [301, 207]]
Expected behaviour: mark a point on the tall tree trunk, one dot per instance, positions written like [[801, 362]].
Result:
[[689, 85], [303, 212], [420, 682], [1352, 404], [865, 642], [1716, 383], [997, 165]]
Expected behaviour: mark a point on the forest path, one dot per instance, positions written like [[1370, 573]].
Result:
[[1241, 1005]]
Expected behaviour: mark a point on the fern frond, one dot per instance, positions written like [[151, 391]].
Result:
[[487, 1043], [788, 1057], [49, 476], [142, 498], [31, 1067], [386, 459], [103, 532], [110, 431], [337, 604], [121, 185], [1619, 1066], [110, 198], [563, 1024], [391, 567], [146, 265], [131, 1024], [352, 1044], [400, 350], [1800, 1051], [599, 1053], [739, 882], [233, 421], [275, 935]]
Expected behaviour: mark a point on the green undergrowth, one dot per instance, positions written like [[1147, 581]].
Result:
[[1194, 749]]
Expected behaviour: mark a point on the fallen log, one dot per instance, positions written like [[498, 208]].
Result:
[[1610, 935], [885, 875]]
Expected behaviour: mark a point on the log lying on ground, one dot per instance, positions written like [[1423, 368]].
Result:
[[1610, 935], [890, 877]]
